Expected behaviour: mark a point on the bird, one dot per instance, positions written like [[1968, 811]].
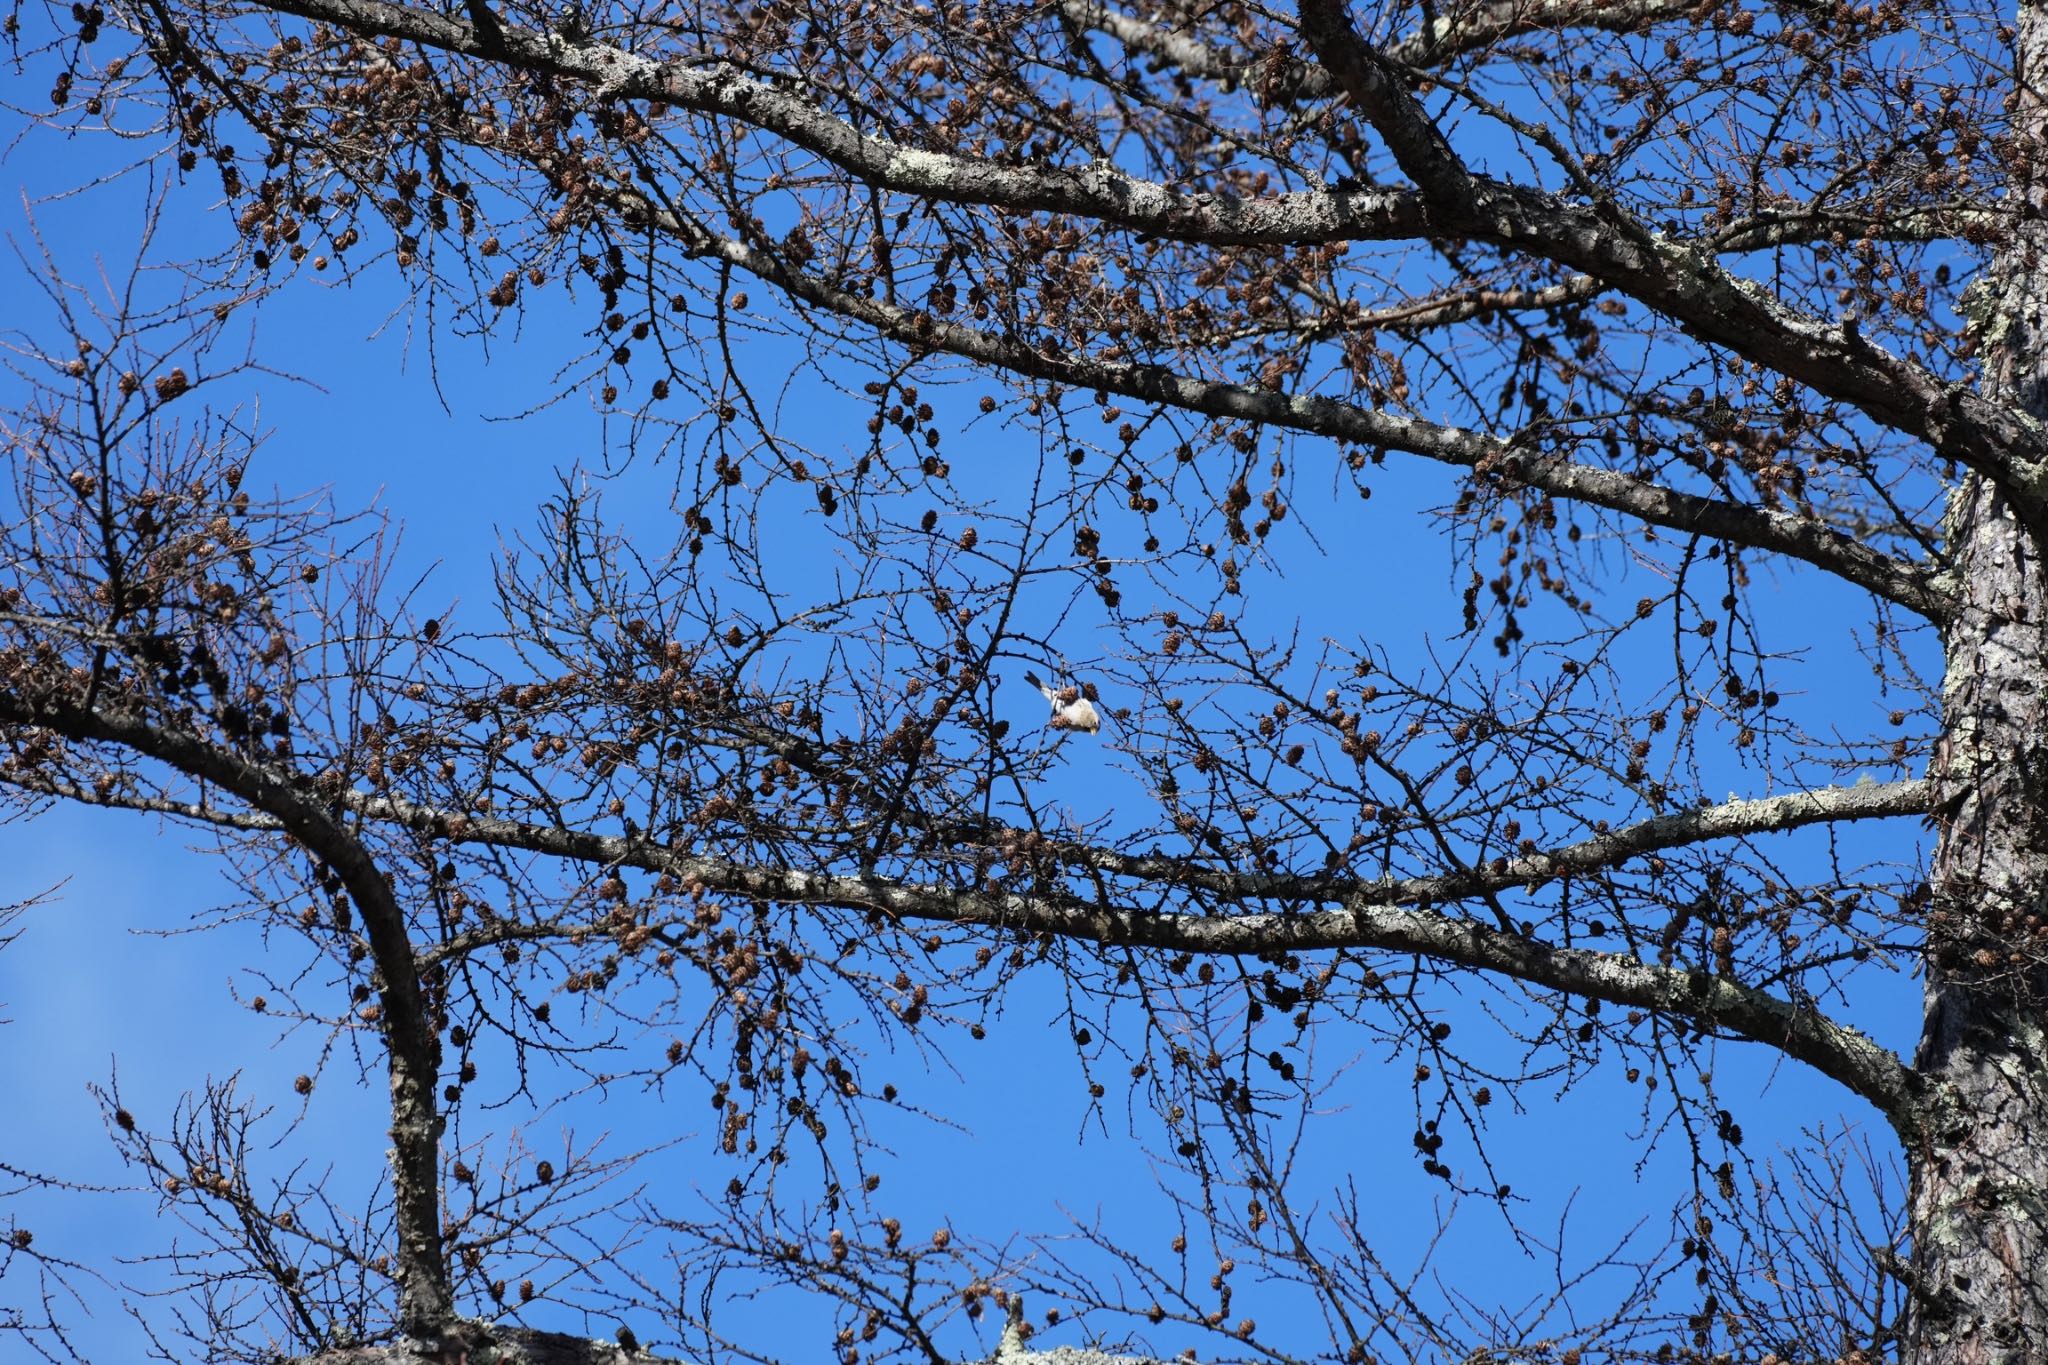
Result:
[[1070, 710]]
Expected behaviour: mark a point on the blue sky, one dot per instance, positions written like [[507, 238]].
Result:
[[104, 983]]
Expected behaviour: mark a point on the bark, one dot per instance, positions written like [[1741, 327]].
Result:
[[1980, 1168], [1980, 1218]]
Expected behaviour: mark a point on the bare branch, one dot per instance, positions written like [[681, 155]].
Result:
[[1796, 537], [1369, 916], [1681, 281], [1677, 278], [413, 1049]]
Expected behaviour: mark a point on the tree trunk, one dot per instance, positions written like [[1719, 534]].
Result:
[[1979, 1204], [1980, 1164]]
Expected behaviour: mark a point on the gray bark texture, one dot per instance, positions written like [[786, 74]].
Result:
[[1980, 1191], [1979, 1215]]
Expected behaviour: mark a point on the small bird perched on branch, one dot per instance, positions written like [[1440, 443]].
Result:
[[1070, 710]]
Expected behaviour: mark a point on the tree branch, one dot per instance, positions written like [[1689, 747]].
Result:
[[526, 1346], [1681, 281], [1674, 277], [1370, 913], [1276, 76], [413, 1050], [1498, 20], [1796, 537], [1097, 191]]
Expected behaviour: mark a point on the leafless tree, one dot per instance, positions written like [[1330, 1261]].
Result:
[[1738, 300]]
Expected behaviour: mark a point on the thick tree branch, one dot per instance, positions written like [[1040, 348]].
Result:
[[1740, 523], [1370, 914], [1671, 276], [1097, 191], [1680, 281], [1482, 26], [467, 1343], [1674, 277], [525, 1346], [1764, 230], [413, 1050], [1275, 76], [1380, 92], [1660, 834]]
